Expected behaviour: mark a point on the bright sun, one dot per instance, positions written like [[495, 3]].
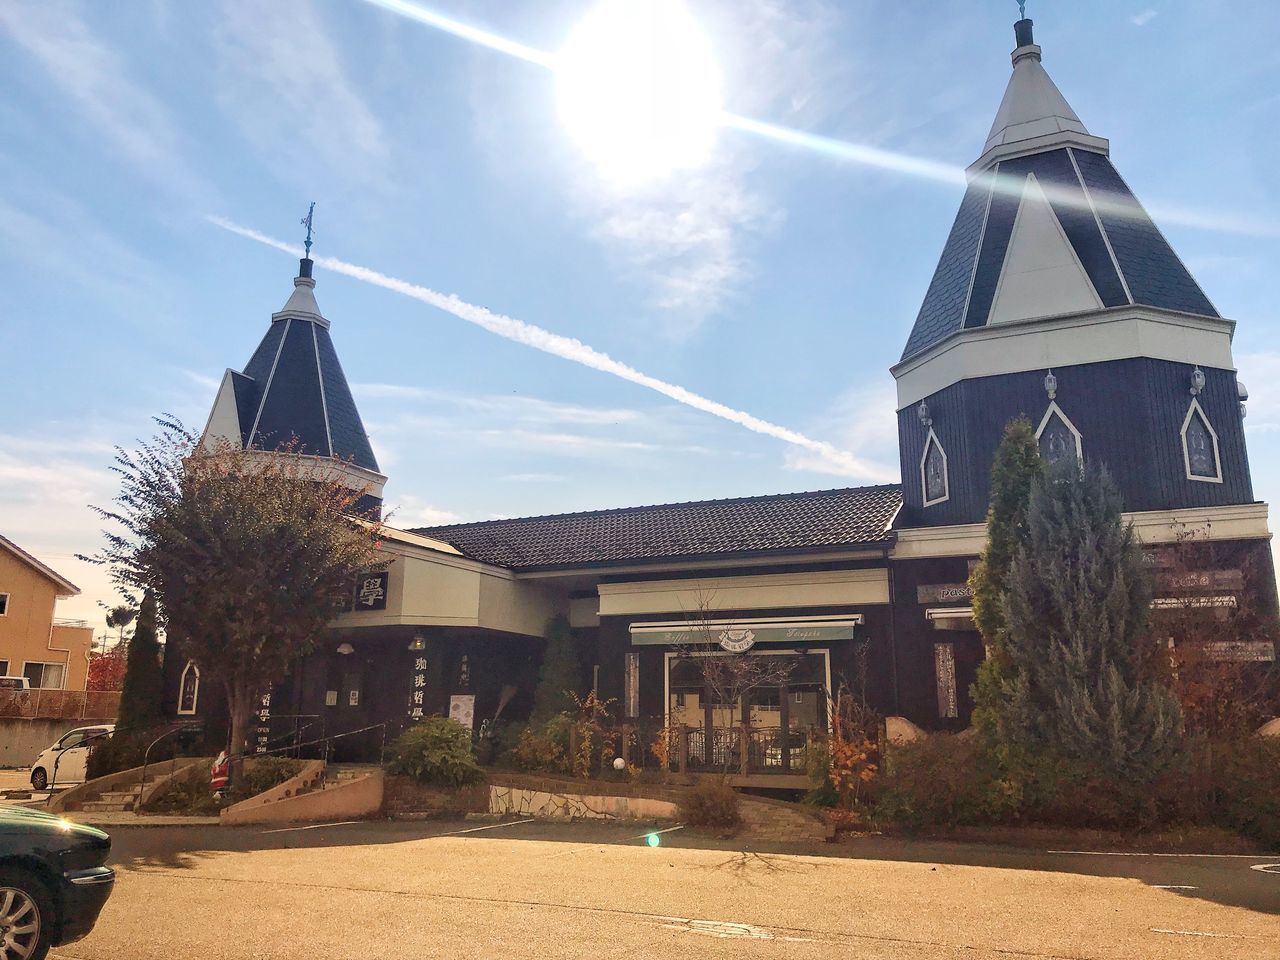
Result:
[[639, 88]]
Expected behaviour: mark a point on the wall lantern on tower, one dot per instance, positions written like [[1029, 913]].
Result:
[[1197, 382], [1051, 385]]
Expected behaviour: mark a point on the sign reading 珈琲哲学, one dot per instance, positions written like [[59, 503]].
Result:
[[944, 593]]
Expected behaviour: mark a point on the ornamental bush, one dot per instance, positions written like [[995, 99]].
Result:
[[942, 780], [712, 803], [435, 751]]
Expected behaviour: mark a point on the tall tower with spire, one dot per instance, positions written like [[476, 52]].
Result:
[[1058, 298], [293, 389]]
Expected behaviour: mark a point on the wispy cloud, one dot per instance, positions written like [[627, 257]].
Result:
[[282, 78], [688, 234], [1260, 373], [1145, 17], [410, 511], [534, 478], [52, 233], [508, 407], [98, 83], [570, 349], [863, 422]]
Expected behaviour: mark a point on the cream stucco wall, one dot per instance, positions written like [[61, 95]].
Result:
[[430, 587], [827, 588]]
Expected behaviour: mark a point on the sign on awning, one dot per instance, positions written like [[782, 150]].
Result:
[[738, 636]]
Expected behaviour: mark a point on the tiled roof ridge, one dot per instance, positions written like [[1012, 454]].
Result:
[[757, 498]]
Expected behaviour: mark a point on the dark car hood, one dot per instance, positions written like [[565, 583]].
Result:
[[14, 819]]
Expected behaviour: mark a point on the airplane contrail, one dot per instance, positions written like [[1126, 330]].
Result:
[[569, 348]]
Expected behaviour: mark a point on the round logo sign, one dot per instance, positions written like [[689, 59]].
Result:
[[737, 641]]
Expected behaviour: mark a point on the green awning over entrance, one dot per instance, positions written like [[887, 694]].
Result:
[[737, 636]]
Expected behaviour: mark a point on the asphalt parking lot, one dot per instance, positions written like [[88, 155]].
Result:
[[462, 889]]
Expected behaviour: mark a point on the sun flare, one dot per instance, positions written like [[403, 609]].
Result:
[[639, 88]]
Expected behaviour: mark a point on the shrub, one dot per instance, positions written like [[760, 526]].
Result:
[[1244, 778], [712, 803], [260, 774], [544, 749], [942, 781], [436, 751], [189, 795]]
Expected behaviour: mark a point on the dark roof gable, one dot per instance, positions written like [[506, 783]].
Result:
[[1099, 215], [855, 516]]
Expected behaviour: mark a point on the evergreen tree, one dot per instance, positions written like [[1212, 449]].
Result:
[[141, 700], [559, 675], [1014, 473], [1077, 702]]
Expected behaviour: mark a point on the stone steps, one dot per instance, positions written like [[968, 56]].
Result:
[[781, 822], [106, 806]]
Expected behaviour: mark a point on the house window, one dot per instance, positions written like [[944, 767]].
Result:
[[44, 676], [933, 471], [1058, 437], [1200, 446], [4, 668], [4, 604], [189, 690]]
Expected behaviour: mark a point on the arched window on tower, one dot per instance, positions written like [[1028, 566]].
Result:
[[1059, 439], [189, 690], [933, 471], [1200, 446]]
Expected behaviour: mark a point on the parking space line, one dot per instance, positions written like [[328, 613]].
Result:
[[313, 826], [1127, 853], [487, 826]]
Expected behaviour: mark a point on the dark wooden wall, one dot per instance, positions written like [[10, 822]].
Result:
[[1129, 413]]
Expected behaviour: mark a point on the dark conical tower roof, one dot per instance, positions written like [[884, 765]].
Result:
[[293, 387], [1047, 227]]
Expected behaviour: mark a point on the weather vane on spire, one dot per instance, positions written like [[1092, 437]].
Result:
[[306, 222], [1022, 12]]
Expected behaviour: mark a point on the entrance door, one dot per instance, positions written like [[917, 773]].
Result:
[[781, 697]]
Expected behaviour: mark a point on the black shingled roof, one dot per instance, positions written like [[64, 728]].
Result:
[[849, 517], [293, 386], [964, 283]]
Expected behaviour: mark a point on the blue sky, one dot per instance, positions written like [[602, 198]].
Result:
[[777, 281]]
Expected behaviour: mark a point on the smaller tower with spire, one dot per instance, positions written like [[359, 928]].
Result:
[[293, 389]]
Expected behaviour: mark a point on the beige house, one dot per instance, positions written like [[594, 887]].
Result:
[[52, 655]]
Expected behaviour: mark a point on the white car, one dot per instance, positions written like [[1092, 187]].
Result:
[[64, 763]]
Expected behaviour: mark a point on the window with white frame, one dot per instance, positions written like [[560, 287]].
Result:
[[1200, 446], [44, 676], [1058, 437], [4, 604], [4, 668], [933, 471]]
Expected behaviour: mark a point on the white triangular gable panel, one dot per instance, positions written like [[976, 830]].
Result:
[[1042, 276], [224, 421]]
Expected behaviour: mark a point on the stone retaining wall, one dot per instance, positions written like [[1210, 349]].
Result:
[[577, 806]]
